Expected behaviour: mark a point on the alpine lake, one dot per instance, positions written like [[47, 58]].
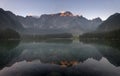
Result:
[[60, 57]]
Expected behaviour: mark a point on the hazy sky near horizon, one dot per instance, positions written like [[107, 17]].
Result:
[[88, 8]]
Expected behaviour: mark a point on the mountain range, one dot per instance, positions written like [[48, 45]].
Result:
[[64, 22], [58, 23]]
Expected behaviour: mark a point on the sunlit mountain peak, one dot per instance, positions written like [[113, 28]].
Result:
[[66, 13], [62, 12]]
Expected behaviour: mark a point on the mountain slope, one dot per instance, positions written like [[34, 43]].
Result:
[[9, 26], [108, 30], [8, 20], [112, 23]]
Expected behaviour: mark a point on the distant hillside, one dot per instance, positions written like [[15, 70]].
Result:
[[112, 23], [8, 20], [9, 26], [108, 30]]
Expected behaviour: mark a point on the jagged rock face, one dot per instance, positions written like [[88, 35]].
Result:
[[112, 23], [65, 21], [9, 20], [67, 13]]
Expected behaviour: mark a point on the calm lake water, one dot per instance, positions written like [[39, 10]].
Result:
[[60, 58]]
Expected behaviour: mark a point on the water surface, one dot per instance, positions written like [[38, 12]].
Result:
[[60, 58]]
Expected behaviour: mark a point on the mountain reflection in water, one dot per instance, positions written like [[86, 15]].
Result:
[[90, 67], [60, 59]]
